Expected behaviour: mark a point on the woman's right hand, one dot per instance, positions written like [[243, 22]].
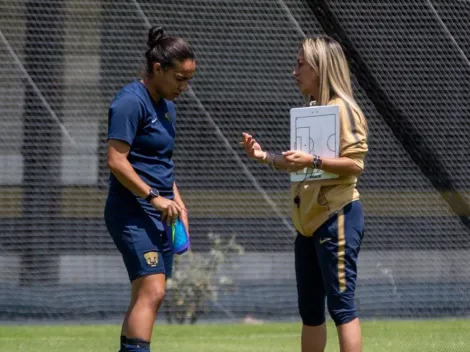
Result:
[[169, 209], [252, 147]]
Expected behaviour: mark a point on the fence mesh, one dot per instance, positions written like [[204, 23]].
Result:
[[62, 62]]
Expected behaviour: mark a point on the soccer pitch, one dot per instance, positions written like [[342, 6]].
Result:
[[378, 336]]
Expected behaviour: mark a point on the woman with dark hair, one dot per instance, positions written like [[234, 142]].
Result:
[[142, 191]]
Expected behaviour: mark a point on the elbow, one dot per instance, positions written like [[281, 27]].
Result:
[[356, 171], [354, 166], [116, 157], [112, 164]]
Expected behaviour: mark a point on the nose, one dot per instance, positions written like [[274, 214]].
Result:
[[184, 87], [295, 73]]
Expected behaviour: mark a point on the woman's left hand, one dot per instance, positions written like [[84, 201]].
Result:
[[298, 159]]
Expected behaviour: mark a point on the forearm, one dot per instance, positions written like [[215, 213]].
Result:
[[276, 161], [179, 201], [342, 166], [177, 196], [127, 176]]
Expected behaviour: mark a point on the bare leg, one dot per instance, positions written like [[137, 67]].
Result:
[[313, 338], [134, 294], [147, 296], [350, 336]]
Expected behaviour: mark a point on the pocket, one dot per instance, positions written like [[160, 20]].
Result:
[[355, 216], [322, 198]]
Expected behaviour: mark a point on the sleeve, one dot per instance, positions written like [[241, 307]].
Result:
[[124, 116], [353, 135]]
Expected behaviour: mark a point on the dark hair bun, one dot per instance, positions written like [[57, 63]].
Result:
[[156, 34], [166, 50]]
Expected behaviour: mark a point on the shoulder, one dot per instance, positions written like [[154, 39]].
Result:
[[352, 120], [343, 106], [344, 111], [347, 111], [126, 106], [131, 92], [127, 96]]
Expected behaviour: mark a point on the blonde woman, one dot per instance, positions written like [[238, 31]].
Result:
[[327, 214]]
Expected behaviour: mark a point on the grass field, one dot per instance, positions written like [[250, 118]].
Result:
[[379, 336]]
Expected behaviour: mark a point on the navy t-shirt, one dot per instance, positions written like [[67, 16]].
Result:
[[149, 128]]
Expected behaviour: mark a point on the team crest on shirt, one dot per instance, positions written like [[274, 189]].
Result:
[[168, 116], [151, 258]]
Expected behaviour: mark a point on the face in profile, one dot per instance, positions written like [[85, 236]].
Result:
[[174, 80], [305, 76]]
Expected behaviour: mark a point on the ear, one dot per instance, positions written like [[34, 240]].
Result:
[[157, 68]]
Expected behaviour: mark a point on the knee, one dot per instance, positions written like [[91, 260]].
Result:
[[157, 295], [341, 308], [152, 295], [312, 314]]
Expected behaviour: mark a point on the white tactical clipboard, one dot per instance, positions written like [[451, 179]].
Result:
[[314, 130]]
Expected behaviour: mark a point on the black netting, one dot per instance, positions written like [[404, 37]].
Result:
[[62, 62]]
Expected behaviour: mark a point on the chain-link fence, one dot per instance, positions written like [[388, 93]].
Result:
[[61, 62]]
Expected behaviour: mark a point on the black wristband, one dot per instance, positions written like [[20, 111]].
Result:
[[152, 194]]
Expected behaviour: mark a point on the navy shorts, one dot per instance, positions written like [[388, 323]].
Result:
[[326, 267], [140, 239]]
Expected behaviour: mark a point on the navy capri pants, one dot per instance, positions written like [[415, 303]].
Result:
[[326, 267]]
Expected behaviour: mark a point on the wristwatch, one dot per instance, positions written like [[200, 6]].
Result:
[[152, 194], [317, 162]]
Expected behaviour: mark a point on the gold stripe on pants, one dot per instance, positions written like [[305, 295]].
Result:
[[341, 250]]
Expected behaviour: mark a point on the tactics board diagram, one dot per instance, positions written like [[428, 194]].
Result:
[[315, 130]]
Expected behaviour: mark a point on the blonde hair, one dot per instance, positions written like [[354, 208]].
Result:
[[327, 58]]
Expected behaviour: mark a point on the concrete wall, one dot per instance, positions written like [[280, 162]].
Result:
[[398, 266]]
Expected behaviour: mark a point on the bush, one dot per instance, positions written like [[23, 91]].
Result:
[[197, 279]]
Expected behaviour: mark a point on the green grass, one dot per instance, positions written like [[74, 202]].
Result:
[[378, 336]]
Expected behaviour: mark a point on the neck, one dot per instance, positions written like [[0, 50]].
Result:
[[314, 95], [151, 89]]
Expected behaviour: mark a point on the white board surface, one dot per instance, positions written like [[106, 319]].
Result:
[[315, 130]]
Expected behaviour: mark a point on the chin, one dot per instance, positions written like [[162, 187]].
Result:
[[173, 96], [304, 91]]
